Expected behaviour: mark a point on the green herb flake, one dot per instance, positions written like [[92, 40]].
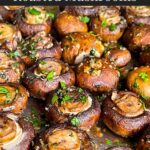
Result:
[[16, 64], [84, 19], [66, 98], [104, 23], [112, 27], [3, 90], [143, 76], [80, 90], [141, 24], [14, 54], [54, 99], [34, 11], [83, 99], [62, 85], [109, 142], [136, 84], [75, 121], [51, 15], [1, 32], [50, 76], [6, 102], [42, 62]]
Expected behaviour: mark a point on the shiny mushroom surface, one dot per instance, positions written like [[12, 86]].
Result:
[[108, 25], [91, 75], [32, 20], [138, 81], [124, 113], [63, 137], [15, 133], [73, 105], [13, 98], [77, 46], [9, 36], [46, 75], [11, 67], [39, 46]]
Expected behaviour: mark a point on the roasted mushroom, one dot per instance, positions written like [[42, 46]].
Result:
[[39, 46], [66, 23], [83, 10], [7, 13], [45, 76], [138, 81], [137, 37], [138, 14], [11, 68], [97, 75], [13, 98], [145, 56], [10, 36], [63, 137], [33, 19], [73, 105], [144, 142], [15, 134], [119, 55], [124, 113], [77, 46], [108, 25]]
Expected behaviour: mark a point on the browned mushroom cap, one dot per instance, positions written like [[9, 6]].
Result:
[[109, 25], [138, 14], [7, 13], [13, 98], [45, 76], [144, 142], [138, 81], [137, 37], [145, 57], [66, 23], [15, 134], [11, 68], [124, 113], [83, 10], [73, 105], [9, 36], [77, 46], [119, 56], [33, 19], [97, 75], [39, 46], [63, 137]]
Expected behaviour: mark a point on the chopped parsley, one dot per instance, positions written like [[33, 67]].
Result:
[[3, 90], [84, 19], [42, 62], [83, 98], [1, 32], [104, 23], [62, 85], [51, 15], [143, 76], [34, 11], [80, 90], [54, 99], [75, 121], [141, 24], [112, 27], [109, 142], [14, 54], [136, 84], [66, 98], [50, 76]]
